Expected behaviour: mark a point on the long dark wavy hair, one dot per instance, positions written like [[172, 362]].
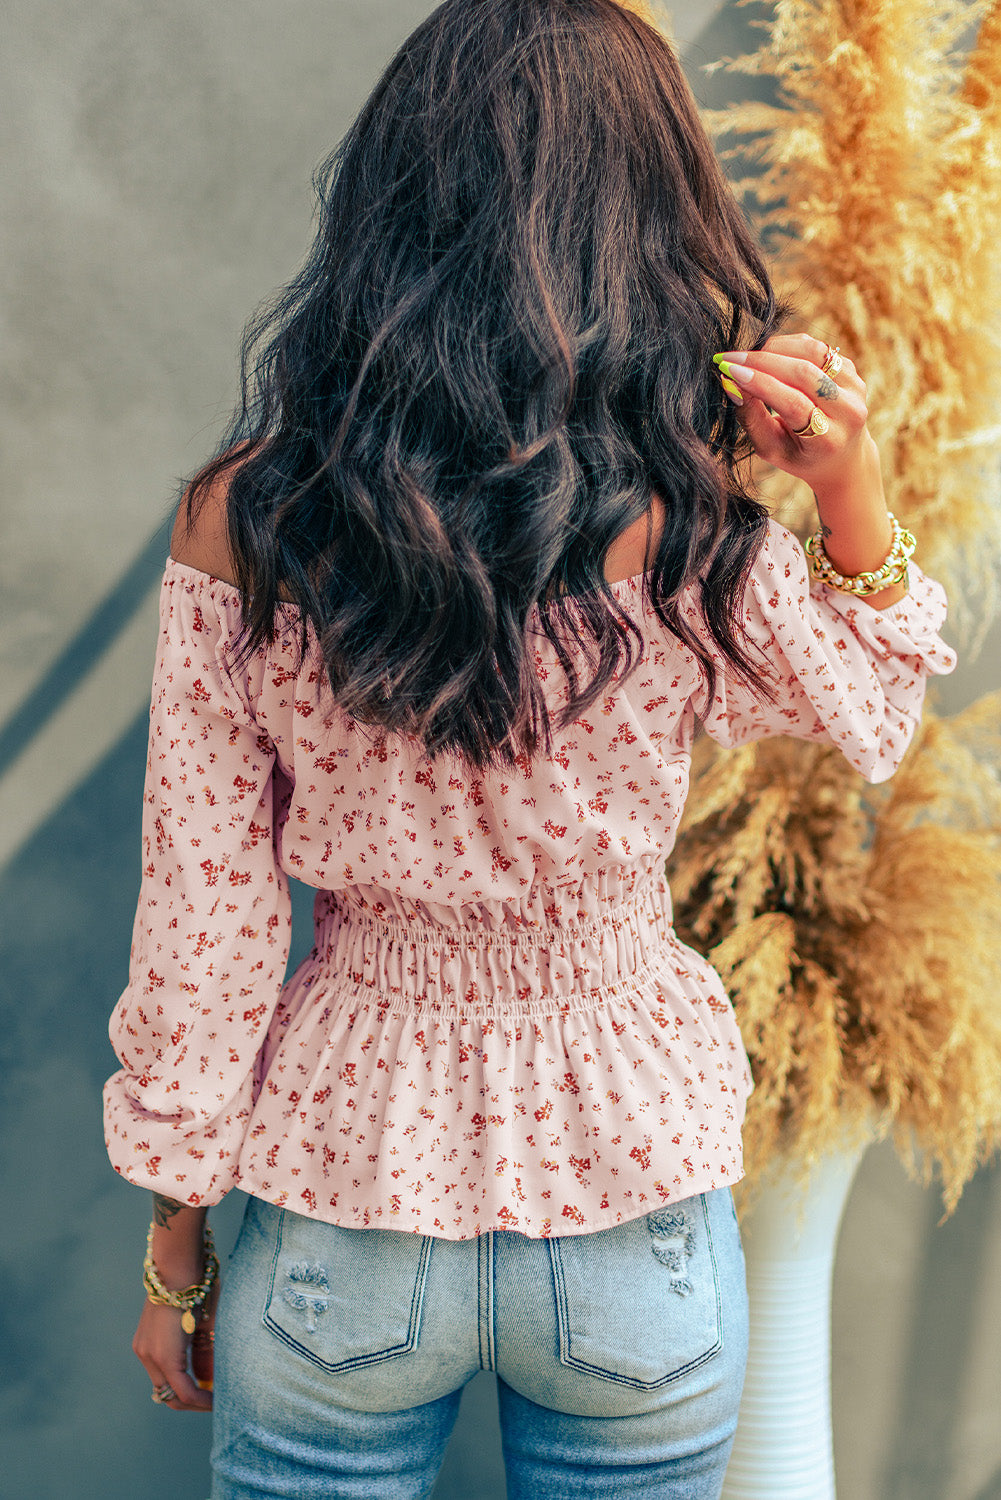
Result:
[[497, 351]]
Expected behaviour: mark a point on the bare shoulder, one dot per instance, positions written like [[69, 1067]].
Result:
[[201, 541]]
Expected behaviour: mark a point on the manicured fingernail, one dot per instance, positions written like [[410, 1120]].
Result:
[[737, 358], [736, 372], [732, 391]]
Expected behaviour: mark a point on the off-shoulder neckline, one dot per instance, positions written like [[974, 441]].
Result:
[[209, 580]]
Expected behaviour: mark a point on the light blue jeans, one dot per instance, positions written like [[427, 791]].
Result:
[[341, 1355]]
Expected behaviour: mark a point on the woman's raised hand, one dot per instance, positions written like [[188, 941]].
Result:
[[777, 389]]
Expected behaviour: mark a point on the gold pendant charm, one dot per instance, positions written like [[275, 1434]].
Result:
[[188, 1320]]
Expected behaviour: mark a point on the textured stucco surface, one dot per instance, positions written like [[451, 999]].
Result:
[[155, 171]]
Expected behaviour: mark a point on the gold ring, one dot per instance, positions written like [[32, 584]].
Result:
[[817, 425], [162, 1394], [834, 363]]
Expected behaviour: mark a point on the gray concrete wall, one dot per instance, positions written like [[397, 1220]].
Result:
[[156, 181]]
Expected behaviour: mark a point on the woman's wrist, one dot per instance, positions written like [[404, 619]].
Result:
[[178, 1242], [855, 523]]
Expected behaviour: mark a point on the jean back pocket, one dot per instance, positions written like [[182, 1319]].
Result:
[[640, 1303], [345, 1297]]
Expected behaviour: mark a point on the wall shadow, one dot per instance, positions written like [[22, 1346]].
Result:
[[75, 1407]]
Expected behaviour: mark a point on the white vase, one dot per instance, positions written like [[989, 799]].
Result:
[[784, 1446]]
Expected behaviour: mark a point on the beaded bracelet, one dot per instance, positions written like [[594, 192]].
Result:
[[894, 569], [187, 1298]]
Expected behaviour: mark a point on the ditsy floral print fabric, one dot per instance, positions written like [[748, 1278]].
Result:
[[497, 1027]]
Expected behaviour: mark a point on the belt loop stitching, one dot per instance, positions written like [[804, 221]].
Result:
[[485, 1300]]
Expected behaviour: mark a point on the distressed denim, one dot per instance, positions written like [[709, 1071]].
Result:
[[341, 1355]]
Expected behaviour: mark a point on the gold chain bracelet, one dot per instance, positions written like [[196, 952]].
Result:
[[188, 1298], [894, 569]]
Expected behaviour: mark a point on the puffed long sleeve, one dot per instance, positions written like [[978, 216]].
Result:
[[844, 672], [211, 934]]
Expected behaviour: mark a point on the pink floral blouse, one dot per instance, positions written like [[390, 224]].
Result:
[[497, 1027]]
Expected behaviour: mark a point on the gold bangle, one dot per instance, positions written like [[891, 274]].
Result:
[[188, 1298], [893, 570]]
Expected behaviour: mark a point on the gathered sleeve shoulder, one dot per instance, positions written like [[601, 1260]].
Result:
[[211, 935], [842, 671]]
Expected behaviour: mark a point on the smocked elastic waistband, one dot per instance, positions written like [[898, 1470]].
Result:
[[478, 970]]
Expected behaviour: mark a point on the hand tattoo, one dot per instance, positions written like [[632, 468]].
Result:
[[827, 390], [164, 1209]]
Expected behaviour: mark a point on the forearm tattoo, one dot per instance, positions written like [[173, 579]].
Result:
[[164, 1209], [827, 390], [825, 530]]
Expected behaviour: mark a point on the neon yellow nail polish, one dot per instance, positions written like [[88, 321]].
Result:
[[732, 391]]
